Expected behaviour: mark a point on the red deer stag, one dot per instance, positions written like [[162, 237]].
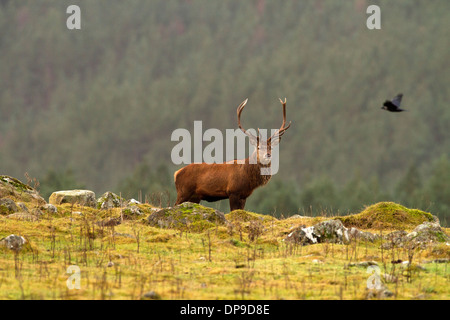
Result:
[[234, 180]]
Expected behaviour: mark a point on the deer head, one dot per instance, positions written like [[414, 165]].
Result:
[[263, 148]]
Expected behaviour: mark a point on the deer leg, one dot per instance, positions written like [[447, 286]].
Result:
[[184, 197], [194, 200], [180, 200], [237, 203]]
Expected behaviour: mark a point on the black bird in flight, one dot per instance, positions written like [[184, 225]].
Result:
[[394, 104]]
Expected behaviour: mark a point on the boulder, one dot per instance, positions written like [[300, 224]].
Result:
[[362, 235], [132, 211], [428, 232], [332, 231], [8, 206], [110, 200], [50, 208], [14, 189], [81, 197], [424, 234], [13, 242], [188, 215]]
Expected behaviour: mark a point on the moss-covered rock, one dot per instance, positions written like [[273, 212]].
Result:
[[13, 242], [110, 200], [191, 216], [7, 206], [425, 234], [50, 208], [247, 216], [17, 184], [18, 191], [428, 232], [330, 231], [132, 211], [387, 215]]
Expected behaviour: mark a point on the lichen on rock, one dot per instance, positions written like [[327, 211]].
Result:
[[187, 215], [81, 197], [110, 200], [423, 235], [7, 206], [18, 191], [13, 242], [332, 231]]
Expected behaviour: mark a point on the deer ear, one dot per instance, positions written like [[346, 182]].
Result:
[[275, 140], [253, 141]]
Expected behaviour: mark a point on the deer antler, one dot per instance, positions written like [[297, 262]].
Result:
[[239, 111], [283, 128]]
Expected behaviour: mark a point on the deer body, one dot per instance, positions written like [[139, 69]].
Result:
[[233, 180]]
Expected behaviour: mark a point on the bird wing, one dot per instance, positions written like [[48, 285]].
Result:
[[397, 100]]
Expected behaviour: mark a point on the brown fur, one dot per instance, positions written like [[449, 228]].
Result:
[[213, 182]]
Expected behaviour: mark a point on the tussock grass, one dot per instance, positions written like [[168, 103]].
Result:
[[387, 215]]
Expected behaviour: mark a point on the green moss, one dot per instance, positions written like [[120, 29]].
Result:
[[201, 225], [247, 216], [15, 183], [441, 237], [387, 215], [237, 243], [190, 216]]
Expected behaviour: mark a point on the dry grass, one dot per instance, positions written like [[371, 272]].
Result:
[[246, 259]]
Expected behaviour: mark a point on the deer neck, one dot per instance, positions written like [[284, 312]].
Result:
[[255, 169]]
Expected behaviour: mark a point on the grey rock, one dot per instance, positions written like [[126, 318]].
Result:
[[80, 197], [151, 295], [428, 232], [110, 200], [50, 208], [362, 235], [363, 264], [394, 239], [423, 235], [332, 231], [133, 201], [8, 206], [22, 206], [36, 212], [132, 210], [186, 214], [23, 216], [297, 216], [13, 242], [12, 187]]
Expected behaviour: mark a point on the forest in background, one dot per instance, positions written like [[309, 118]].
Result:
[[96, 108]]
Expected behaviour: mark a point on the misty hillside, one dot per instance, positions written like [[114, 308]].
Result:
[[96, 108]]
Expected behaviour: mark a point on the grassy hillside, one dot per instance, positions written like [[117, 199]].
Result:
[[246, 258]]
